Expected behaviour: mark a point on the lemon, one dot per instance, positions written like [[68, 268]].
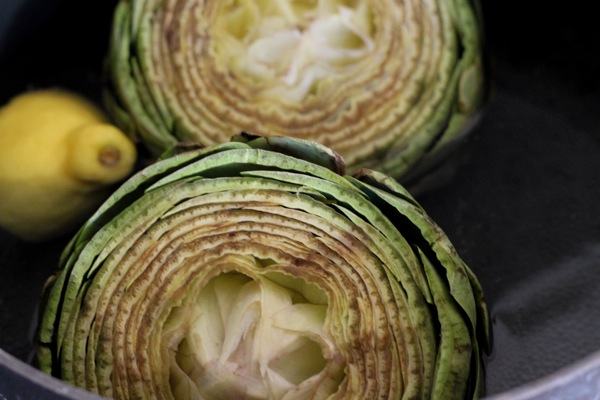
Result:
[[59, 157]]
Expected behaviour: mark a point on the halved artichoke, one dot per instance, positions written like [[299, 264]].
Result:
[[390, 85], [255, 269]]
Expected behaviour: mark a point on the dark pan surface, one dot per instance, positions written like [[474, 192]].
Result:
[[523, 209]]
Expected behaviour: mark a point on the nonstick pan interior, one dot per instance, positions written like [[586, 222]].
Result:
[[522, 209]]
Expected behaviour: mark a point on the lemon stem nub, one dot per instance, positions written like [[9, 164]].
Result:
[[100, 154], [109, 156]]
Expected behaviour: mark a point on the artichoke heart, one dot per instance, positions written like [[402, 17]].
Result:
[[390, 85], [258, 269]]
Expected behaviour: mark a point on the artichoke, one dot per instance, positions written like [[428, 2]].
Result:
[[256, 269], [390, 85]]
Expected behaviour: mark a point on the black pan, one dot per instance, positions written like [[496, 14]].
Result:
[[523, 209]]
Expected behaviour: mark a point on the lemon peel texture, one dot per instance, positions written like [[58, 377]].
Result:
[[59, 157]]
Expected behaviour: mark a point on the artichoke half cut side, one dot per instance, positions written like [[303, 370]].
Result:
[[394, 86], [256, 269]]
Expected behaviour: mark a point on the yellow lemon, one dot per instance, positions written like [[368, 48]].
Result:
[[59, 157]]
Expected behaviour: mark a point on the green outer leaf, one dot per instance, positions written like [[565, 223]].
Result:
[[454, 355], [136, 185], [458, 274], [399, 270], [306, 150], [84, 262], [469, 297], [125, 72], [236, 161]]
